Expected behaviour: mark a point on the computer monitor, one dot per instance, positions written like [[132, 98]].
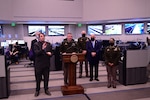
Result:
[[21, 42], [148, 27], [9, 41], [14, 41], [4, 44]]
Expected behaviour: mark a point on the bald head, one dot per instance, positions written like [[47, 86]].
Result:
[[83, 33], [37, 34], [92, 37]]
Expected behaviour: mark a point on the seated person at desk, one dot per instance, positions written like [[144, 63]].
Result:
[[15, 54], [68, 46]]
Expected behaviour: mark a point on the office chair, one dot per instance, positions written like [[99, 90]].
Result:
[[31, 58]]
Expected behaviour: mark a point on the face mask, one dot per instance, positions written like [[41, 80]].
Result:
[[111, 44], [92, 39], [83, 35]]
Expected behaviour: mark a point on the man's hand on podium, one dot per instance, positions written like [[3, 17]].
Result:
[[84, 52], [64, 53], [73, 52]]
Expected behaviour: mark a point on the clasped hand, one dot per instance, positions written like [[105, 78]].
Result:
[[44, 45], [93, 54]]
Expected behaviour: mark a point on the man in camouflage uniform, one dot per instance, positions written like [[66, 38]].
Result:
[[82, 49], [112, 57], [68, 46]]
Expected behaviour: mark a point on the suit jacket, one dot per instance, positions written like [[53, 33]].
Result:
[[42, 59], [32, 43], [90, 48]]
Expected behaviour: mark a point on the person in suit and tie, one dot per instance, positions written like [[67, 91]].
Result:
[[43, 52], [32, 46], [93, 53]]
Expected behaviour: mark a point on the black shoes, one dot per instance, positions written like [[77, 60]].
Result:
[[95, 79], [80, 76], [36, 93], [108, 86], [87, 75], [47, 92], [114, 86]]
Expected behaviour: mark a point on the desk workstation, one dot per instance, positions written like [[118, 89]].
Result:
[[133, 67], [4, 78]]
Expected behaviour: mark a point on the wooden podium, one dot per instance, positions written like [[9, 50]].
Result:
[[71, 60]]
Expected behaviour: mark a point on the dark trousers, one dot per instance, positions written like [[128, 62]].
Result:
[[95, 66], [38, 76], [81, 67], [111, 74]]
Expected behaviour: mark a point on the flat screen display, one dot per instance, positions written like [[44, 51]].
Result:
[[14, 41], [113, 29], [1, 32], [32, 29], [95, 29], [21, 42], [148, 28], [56, 30], [9, 41], [4, 44], [134, 28]]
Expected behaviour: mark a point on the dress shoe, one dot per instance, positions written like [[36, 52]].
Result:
[[108, 86], [91, 80], [47, 92], [87, 75], [36, 93], [80, 76], [114, 86], [97, 79]]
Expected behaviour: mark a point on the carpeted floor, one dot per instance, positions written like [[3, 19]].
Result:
[[23, 86]]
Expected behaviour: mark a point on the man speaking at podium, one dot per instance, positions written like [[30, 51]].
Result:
[[68, 46]]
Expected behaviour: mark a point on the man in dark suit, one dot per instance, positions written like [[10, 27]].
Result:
[[32, 46], [93, 51], [43, 52]]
